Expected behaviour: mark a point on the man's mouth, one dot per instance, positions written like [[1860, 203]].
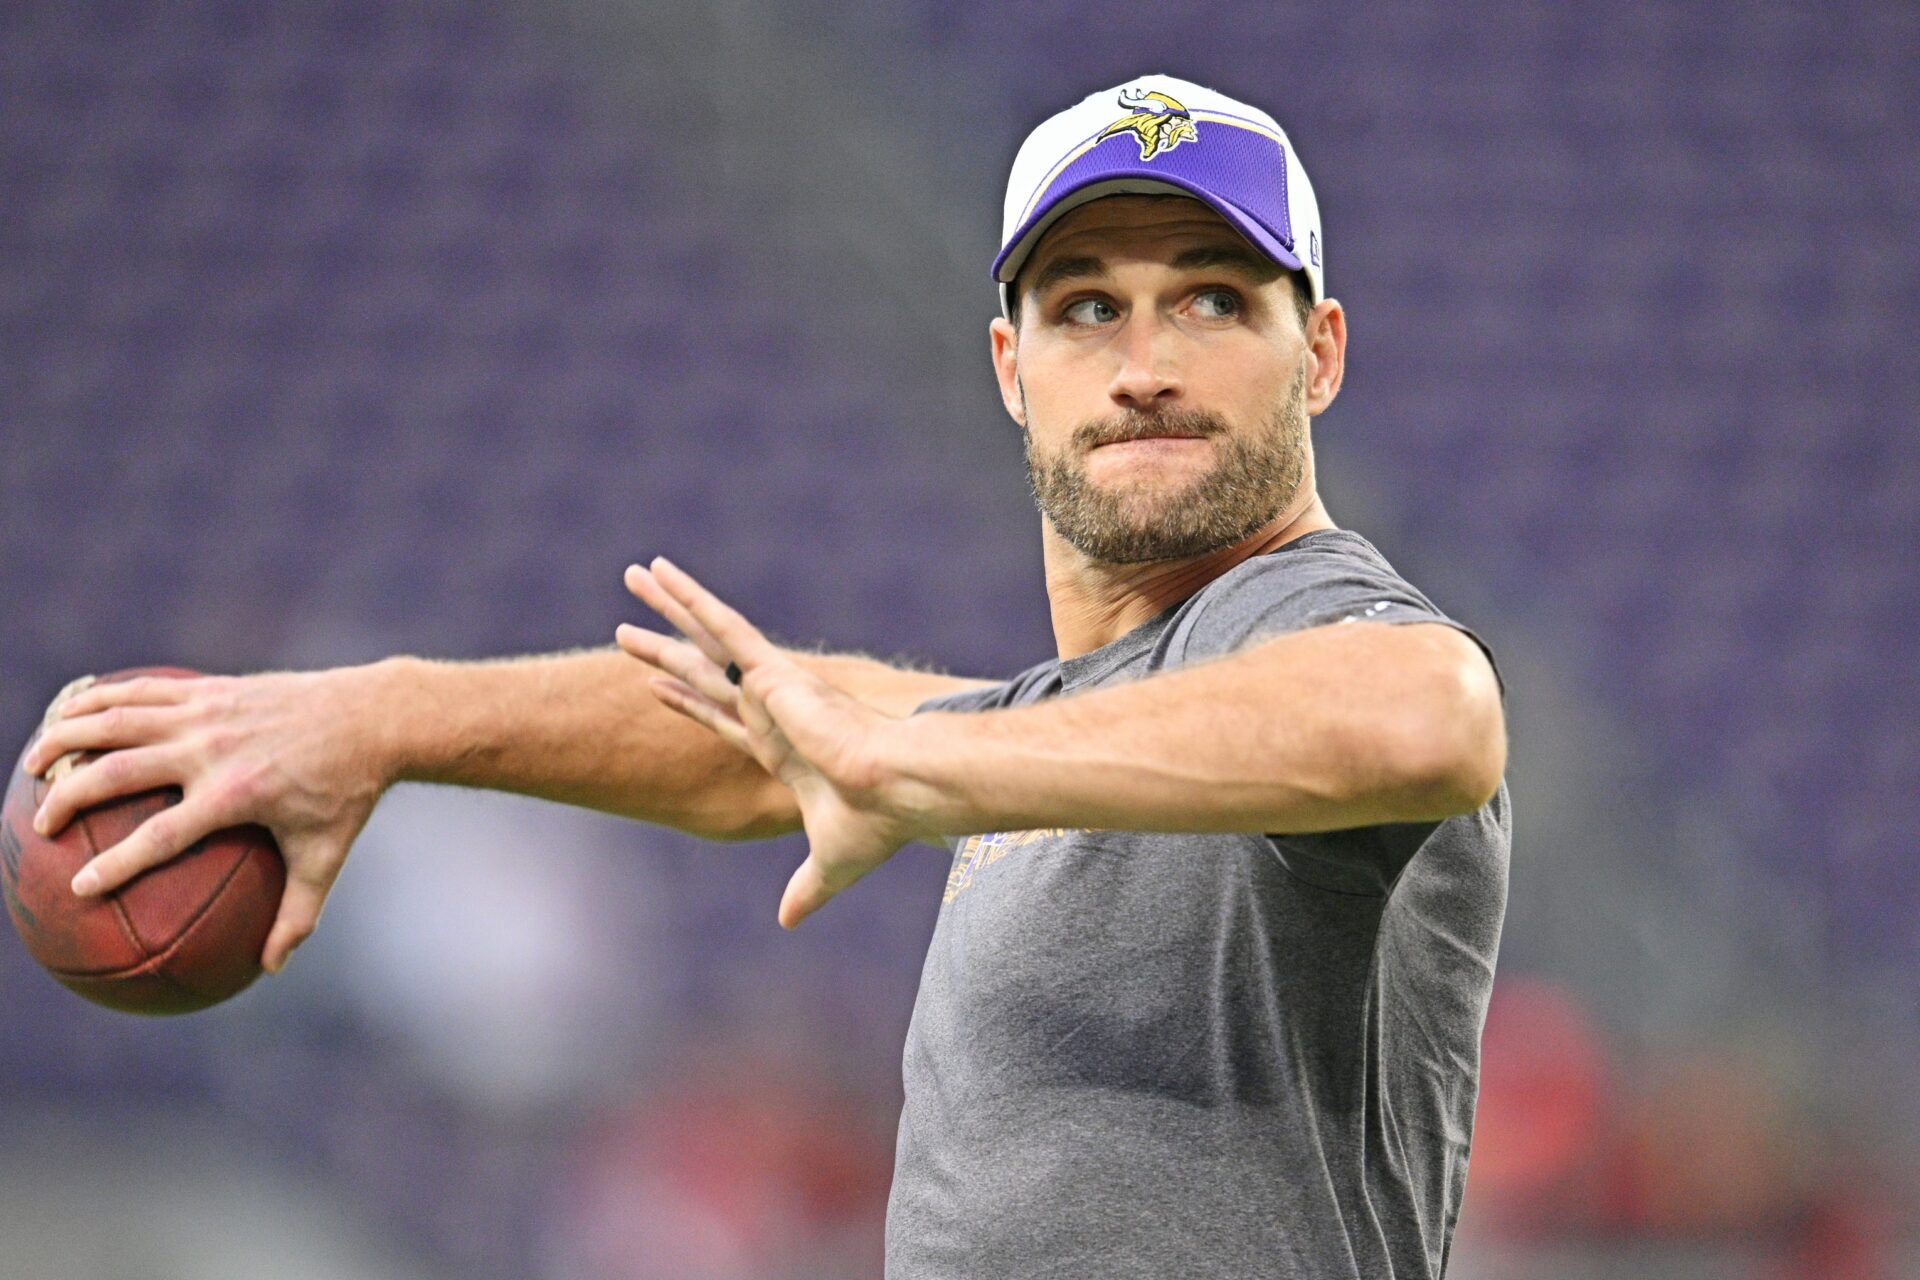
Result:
[[1170, 437]]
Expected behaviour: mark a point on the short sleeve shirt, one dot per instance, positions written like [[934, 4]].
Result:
[[1142, 1054]]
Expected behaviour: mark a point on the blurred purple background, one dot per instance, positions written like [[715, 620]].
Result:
[[332, 330]]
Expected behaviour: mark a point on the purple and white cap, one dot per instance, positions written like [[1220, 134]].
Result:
[[1160, 134]]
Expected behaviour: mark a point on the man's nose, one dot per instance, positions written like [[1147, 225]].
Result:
[[1146, 376]]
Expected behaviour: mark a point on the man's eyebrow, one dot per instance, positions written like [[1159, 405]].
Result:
[[1243, 262], [1067, 269], [1222, 257]]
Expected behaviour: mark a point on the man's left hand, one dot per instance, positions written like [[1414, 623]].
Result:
[[839, 756]]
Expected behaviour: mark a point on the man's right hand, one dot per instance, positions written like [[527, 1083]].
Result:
[[295, 752]]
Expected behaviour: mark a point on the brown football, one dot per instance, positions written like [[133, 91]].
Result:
[[179, 937]]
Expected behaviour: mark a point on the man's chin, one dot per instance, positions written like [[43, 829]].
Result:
[[1148, 504], [1133, 539], [1158, 486]]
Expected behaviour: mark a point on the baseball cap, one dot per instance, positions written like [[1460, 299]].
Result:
[[1159, 134]]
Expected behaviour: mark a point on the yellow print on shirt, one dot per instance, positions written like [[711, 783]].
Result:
[[980, 851]]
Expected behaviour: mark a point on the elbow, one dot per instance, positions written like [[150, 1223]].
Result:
[[726, 828], [1451, 753], [758, 812], [1467, 777]]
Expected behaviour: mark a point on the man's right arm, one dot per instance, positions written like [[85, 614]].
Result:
[[309, 754], [583, 728]]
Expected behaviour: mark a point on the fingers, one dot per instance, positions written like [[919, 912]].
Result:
[[120, 773], [721, 633], [694, 686], [643, 584], [141, 690], [719, 701], [105, 730], [165, 835], [299, 914], [60, 699], [742, 640], [691, 705], [680, 659]]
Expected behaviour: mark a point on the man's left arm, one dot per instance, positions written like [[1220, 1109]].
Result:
[[1336, 726], [1316, 730]]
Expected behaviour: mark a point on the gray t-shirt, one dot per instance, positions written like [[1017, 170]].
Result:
[[1152, 1055]]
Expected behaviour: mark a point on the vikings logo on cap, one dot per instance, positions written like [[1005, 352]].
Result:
[[1247, 171], [1160, 123]]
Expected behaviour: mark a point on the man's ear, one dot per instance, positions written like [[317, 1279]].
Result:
[[1326, 354], [1005, 340]]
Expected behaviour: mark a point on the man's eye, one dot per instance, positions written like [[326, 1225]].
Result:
[[1090, 311], [1217, 304]]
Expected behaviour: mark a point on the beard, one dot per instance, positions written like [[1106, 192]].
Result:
[[1144, 518]]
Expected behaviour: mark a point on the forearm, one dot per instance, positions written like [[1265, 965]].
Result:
[[1312, 732], [583, 728]]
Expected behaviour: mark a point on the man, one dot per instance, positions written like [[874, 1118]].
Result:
[[1206, 986]]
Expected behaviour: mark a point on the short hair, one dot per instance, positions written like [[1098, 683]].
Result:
[[1302, 297]]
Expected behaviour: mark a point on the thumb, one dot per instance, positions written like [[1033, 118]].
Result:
[[807, 891], [299, 913]]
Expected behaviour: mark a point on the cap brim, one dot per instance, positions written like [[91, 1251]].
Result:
[[1015, 254]]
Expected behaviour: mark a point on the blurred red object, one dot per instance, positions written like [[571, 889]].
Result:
[[729, 1173], [1840, 1234], [1543, 1081], [1702, 1150]]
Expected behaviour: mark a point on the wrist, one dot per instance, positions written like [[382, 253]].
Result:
[[931, 779], [380, 710]]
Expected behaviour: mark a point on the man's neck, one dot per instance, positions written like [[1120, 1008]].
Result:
[[1095, 603]]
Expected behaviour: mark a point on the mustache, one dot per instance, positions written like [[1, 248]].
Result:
[[1142, 426]]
